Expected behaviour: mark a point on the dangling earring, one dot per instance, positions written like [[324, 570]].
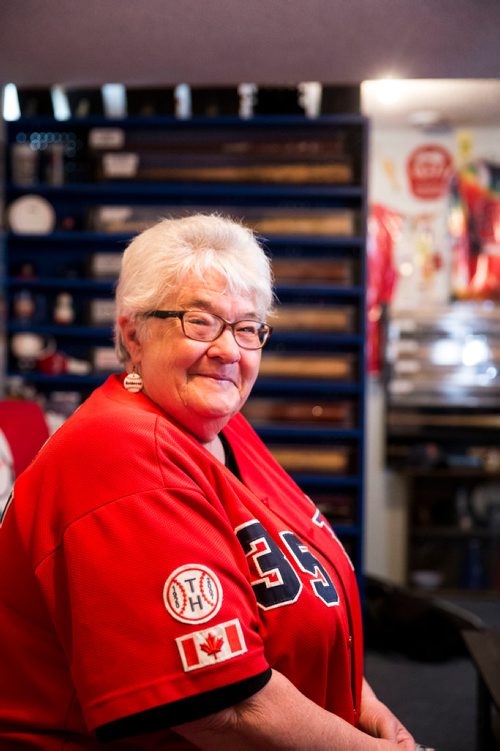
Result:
[[133, 382]]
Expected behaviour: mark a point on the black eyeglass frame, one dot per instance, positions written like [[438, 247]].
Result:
[[265, 328]]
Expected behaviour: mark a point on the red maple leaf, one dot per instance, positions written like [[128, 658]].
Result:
[[213, 645]]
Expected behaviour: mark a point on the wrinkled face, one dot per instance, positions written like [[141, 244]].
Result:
[[199, 384]]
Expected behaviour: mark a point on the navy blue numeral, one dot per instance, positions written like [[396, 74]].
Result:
[[276, 583], [321, 583]]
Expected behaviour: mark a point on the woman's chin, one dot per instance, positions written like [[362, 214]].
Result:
[[213, 412], [209, 416]]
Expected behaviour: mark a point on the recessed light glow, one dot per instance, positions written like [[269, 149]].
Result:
[[388, 90]]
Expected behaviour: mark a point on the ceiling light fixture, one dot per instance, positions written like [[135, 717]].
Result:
[[388, 90]]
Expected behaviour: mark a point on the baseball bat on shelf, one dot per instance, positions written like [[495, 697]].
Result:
[[253, 173], [280, 221], [272, 411], [313, 271], [297, 366], [334, 222], [313, 318], [312, 458], [219, 144]]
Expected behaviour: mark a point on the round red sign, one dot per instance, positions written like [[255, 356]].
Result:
[[429, 170]]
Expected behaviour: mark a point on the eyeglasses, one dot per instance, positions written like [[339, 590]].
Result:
[[207, 327]]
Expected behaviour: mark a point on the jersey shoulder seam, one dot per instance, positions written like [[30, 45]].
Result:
[[96, 509]]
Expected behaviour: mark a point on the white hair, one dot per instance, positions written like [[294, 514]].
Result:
[[156, 263]]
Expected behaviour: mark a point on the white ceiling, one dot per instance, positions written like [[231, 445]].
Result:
[[164, 42]]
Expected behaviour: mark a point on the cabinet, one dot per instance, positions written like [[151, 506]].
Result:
[[92, 183], [442, 436], [454, 529]]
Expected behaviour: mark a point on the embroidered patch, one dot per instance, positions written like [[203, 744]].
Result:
[[192, 594], [212, 645]]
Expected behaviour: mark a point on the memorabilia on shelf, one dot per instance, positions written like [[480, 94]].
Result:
[[23, 306], [31, 215], [58, 363], [335, 222], [303, 271], [276, 221], [262, 411], [337, 367], [313, 318], [54, 164], [107, 138], [129, 165], [24, 164], [27, 348], [64, 311], [312, 458], [120, 165], [104, 265], [85, 102], [34, 352], [223, 158], [101, 312], [105, 360], [32, 165]]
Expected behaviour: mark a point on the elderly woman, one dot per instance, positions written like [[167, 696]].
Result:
[[164, 584]]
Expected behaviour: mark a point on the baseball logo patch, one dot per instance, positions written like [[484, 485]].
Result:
[[192, 594]]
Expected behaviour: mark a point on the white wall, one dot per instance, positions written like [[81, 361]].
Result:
[[385, 511]]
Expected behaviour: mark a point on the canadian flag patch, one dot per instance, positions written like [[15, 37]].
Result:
[[212, 645]]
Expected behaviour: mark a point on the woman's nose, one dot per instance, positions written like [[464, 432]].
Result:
[[225, 346]]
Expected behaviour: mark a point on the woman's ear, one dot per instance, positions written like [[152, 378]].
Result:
[[129, 332]]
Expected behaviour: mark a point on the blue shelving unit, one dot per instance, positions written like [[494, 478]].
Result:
[[43, 265]]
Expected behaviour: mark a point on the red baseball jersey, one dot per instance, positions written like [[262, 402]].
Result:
[[142, 583]]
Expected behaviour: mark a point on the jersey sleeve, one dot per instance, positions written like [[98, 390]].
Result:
[[182, 711], [161, 611]]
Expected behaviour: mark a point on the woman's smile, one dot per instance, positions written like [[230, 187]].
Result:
[[218, 378]]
